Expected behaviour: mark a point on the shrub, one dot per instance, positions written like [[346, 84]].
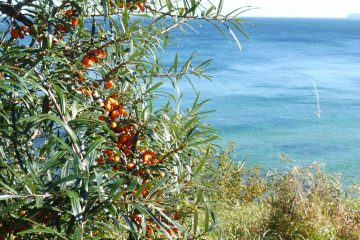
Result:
[[84, 152], [306, 203], [301, 203]]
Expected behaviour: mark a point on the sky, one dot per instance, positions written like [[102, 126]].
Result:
[[296, 8]]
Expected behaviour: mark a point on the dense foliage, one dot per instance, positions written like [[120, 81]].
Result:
[[84, 152]]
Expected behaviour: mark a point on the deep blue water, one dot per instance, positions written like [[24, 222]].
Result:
[[264, 94]]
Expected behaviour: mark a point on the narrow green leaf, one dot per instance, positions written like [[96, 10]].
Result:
[[41, 117], [75, 204], [61, 98], [94, 146], [6, 197], [78, 233]]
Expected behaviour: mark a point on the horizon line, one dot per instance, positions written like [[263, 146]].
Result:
[[311, 17]]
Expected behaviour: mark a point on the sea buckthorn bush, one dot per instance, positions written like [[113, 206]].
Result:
[[86, 149]]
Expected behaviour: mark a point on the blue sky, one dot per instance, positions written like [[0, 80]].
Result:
[[297, 8]]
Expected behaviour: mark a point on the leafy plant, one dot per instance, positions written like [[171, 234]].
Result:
[[300, 203], [85, 153]]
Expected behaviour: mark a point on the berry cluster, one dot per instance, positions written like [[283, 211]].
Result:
[[71, 20], [153, 228], [93, 57], [132, 5], [43, 216], [21, 31]]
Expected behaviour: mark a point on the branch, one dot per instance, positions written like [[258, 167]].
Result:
[[62, 116], [115, 70], [215, 17], [172, 75], [10, 11], [174, 26]]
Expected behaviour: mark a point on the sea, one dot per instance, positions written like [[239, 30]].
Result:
[[293, 89]]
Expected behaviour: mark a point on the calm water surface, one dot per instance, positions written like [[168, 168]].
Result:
[[264, 95]]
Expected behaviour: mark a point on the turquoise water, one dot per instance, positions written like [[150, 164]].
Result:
[[265, 97]]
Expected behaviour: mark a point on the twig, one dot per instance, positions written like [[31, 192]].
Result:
[[62, 116], [10, 11]]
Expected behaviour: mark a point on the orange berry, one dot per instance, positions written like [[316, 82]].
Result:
[[86, 91], [126, 151], [111, 101], [69, 13], [107, 106], [116, 168], [100, 53], [108, 152], [142, 7], [95, 84], [123, 138], [177, 215], [128, 143], [116, 95], [169, 231], [145, 192], [109, 84], [60, 37], [62, 28], [115, 158], [100, 161], [81, 78], [88, 62], [92, 58], [142, 173], [14, 33], [118, 129], [31, 30], [126, 129], [113, 124], [95, 233], [130, 166], [102, 118], [148, 156], [121, 5], [75, 22], [114, 115], [122, 111]]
